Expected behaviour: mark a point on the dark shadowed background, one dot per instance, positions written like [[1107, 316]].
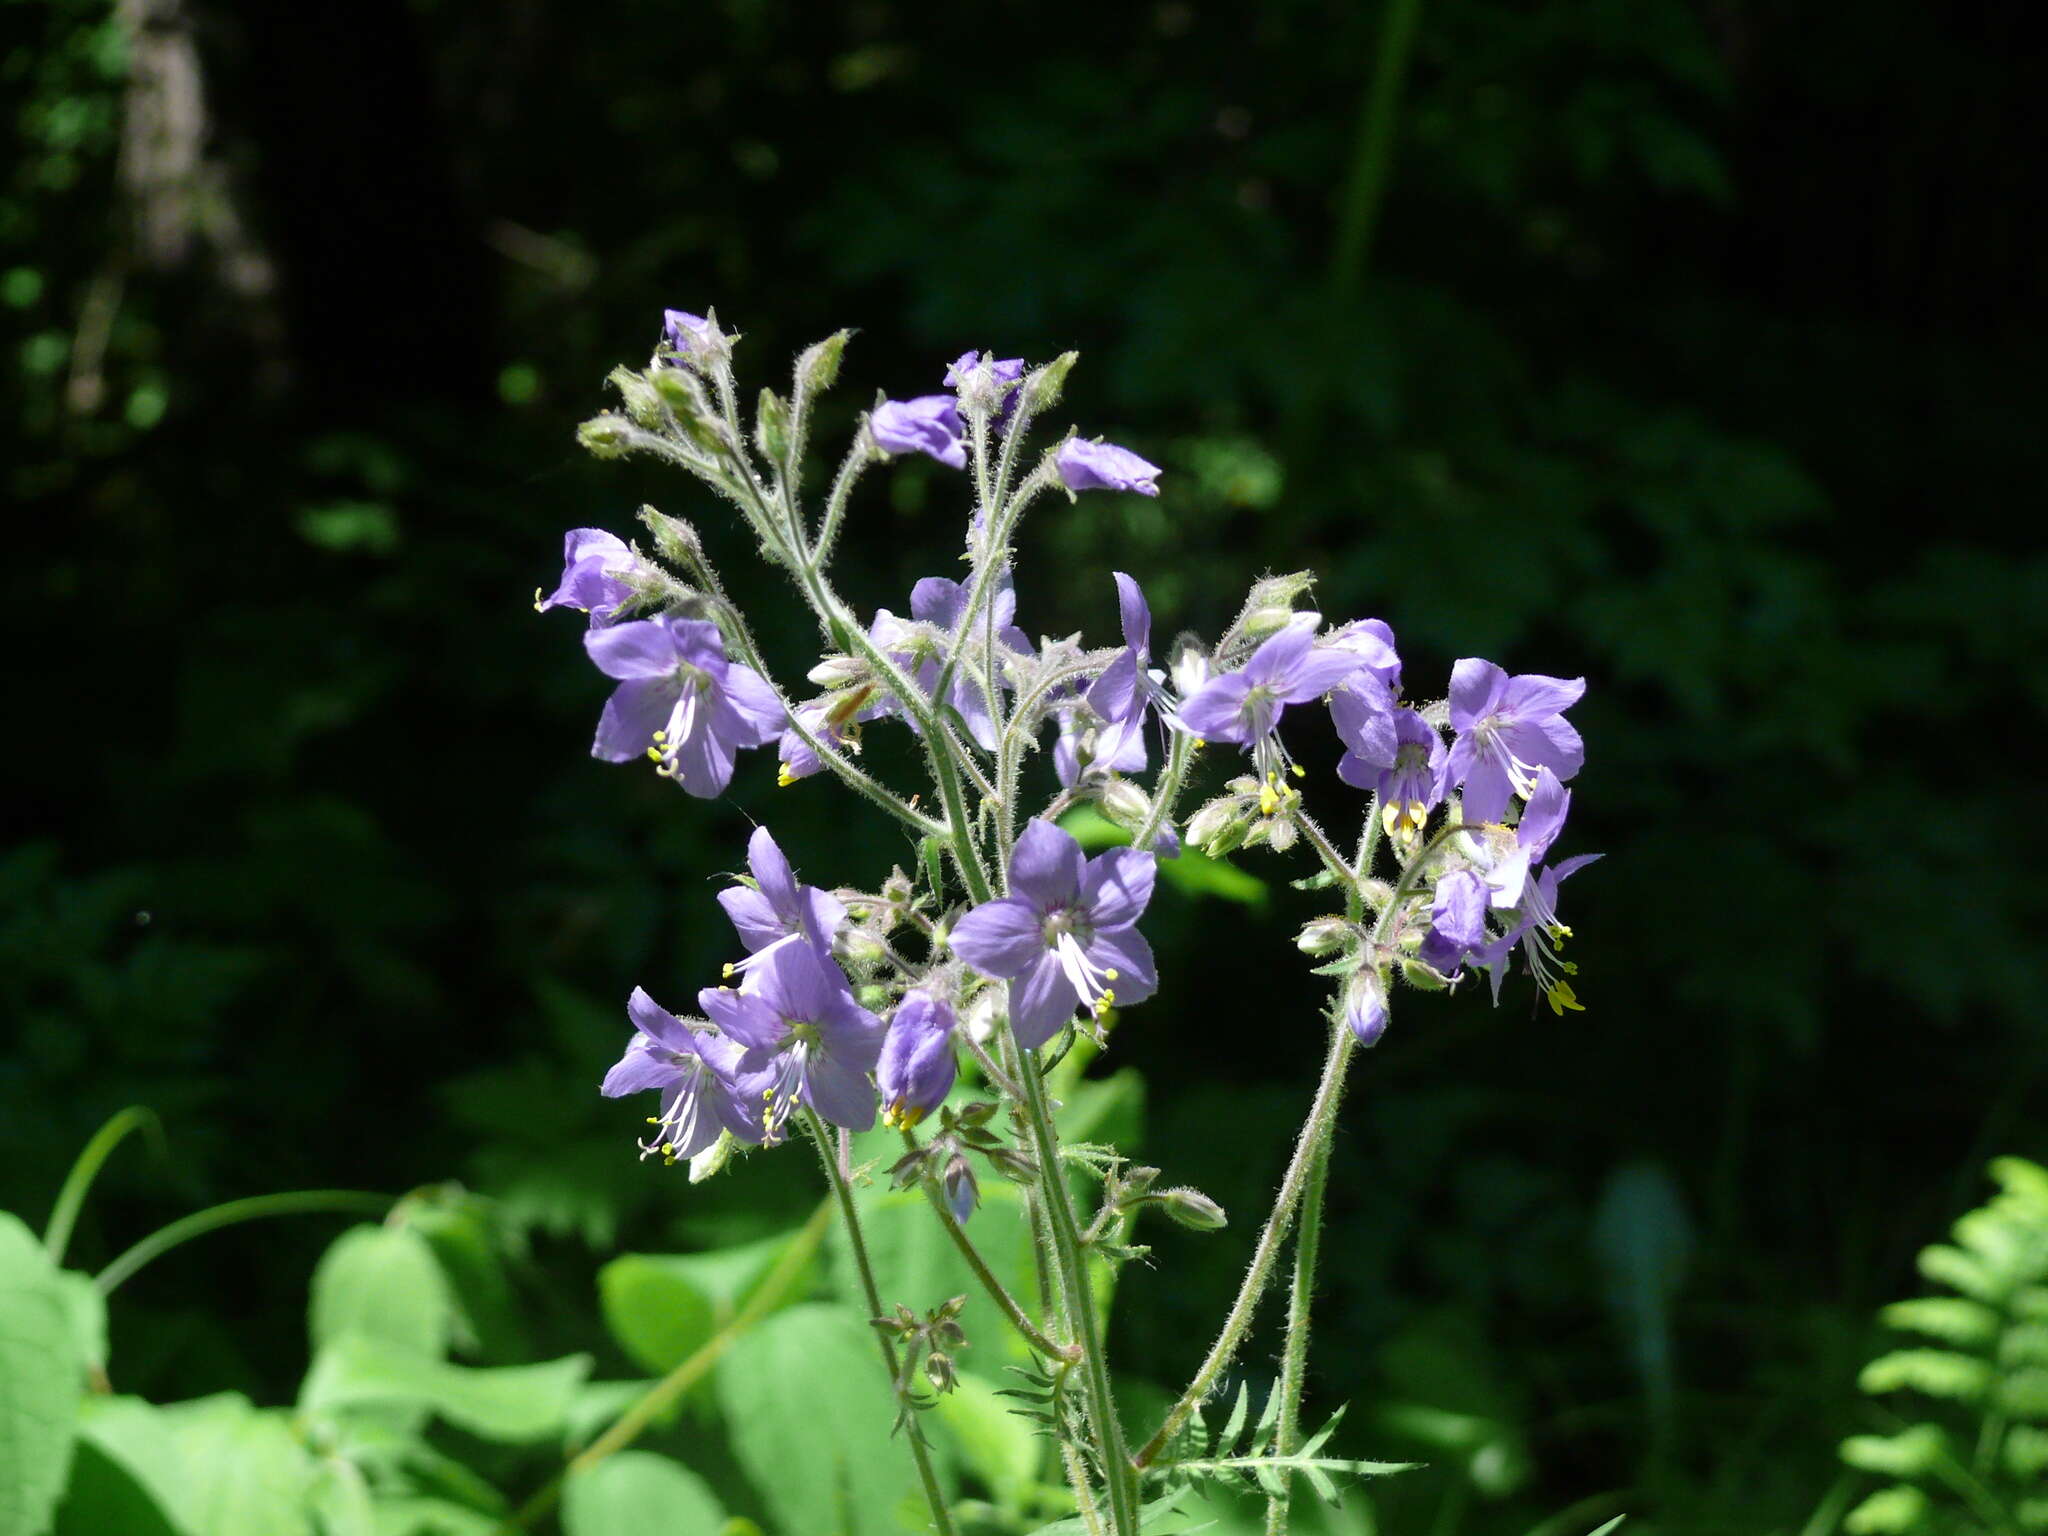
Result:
[[1691, 347]]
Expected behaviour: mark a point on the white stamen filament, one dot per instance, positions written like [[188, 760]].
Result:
[[677, 1127], [1090, 980]]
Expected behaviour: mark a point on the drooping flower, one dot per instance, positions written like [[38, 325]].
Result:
[[1086, 466], [800, 1025], [679, 701], [1245, 706], [1363, 711], [916, 1069], [1126, 691], [1065, 937], [594, 567], [928, 424], [938, 608], [1411, 784], [1531, 915], [1508, 728], [1365, 1005], [704, 1086], [777, 910], [986, 381]]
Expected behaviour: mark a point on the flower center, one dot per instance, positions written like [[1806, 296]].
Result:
[[1493, 744]]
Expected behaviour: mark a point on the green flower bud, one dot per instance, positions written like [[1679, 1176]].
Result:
[[683, 392], [1270, 604], [1324, 936], [1042, 385], [608, 436], [674, 540], [642, 403], [1220, 826], [1126, 804], [1422, 977], [771, 427], [713, 1158], [817, 366], [1193, 1209]]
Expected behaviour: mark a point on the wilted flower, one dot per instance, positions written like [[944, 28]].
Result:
[[704, 1087], [800, 1024], [679, 701], [1508, 727], [594, 566], [1086, 466], [1065, 937], [929, 424], [986, 383]]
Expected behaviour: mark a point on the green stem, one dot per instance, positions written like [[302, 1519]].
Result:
[[1315, 1133], [856, 1240], [1294, 1356], [293, 1203], [997, 1291], [1117, 1470], [78, 1183], [857, 459], [1166, 791], [773, 1290]]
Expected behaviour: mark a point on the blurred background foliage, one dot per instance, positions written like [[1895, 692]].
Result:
[[1688, 346]]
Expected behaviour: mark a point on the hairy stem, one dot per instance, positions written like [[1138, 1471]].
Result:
[[1080, 1297], [1315, 1133], [997, 1291], [1294, 1355], [849, 1213]]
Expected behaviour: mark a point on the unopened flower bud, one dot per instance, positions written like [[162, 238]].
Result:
[[771, 427], [1190, 669], [1270, 606], [856, 946], [1421, 977], [713, 1158], [1365, 1005], [685, 396], [1220, 826], [915, 1072], [1125, 804], [608, 436], [837, 671], [674, 539], [962, 1193], [1323, 936], [817, 366], [696, 339], [897, 889], [1042, 386], [643, 404], [1193, 1209]]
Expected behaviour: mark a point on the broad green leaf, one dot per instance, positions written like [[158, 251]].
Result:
[[245, 1473], [808, 1411], [384, 1283], [106, 1498], [514, 1403], [86, 1309], [341, 1499], [639, 1491], [42, 1376], [466, 1242], [999, 1446], [138, 1439], [657, 1312], [917, 1265], [410, 1516]]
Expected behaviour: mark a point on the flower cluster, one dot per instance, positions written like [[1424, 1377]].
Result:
[[827, 1013]]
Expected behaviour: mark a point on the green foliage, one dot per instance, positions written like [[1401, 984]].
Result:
[[42, 1372], [1981, 1450], [1241, 1451], [637, 1490]]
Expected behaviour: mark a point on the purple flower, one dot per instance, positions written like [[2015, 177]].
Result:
[[679, 701], [801, 1027], [916, 1069], [938, 607], [1457, 922], [1086, 466], [994, 383], [928, 424], [687, 332], [1508, 727], [1365, 1005], [594, 564], [1411, 784], [1245, 706], [1064, 938], [777, 909], [1126, 690], [1363, 710], [704, 1087], [1372, 641], [1532, 921]]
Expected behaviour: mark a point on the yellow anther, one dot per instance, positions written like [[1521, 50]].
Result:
[[1562, 998], [726, 970], [654, 754], [1300, 772], [1200, 743], [661, 735], [1110, 972], [538, 606], [1269, 802], [783, 777]]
